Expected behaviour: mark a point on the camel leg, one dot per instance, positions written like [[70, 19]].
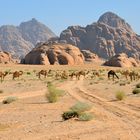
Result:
[[113, 77], [108, 77], [131, 78]]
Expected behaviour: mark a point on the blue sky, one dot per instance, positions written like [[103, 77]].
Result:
[[59, 14]]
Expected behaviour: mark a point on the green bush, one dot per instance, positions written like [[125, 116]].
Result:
[[54, 93], [136, 91], [85, 117], [78, 110], [120, 95], [81, 107], [138, 85], [28, 73], [9, 100]]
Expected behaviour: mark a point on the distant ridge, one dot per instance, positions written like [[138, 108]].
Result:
[[21, 39]]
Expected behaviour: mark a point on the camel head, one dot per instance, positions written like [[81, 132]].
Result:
[[20, 72]]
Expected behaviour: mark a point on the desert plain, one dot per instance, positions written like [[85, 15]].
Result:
[[32, 117]]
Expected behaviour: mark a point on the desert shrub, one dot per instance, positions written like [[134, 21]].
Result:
[[101, 78], [54, 93], [28, 73], [120, 95], [91, 83], [9, 100], [52, 97], [1, 91], [81, 107], [69, 114], [78, 110], [128, 82], [85, 117], [138, 85], [136, 91]]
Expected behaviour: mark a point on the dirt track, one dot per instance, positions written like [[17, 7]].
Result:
[[127, 119]]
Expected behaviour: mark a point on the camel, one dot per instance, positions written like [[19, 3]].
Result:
[[2, 75], [133, 75], [125, 73], [64, 75], [112, 72], [42, 72], [95, 73], [78, 74], [72, 75], [17, 74]]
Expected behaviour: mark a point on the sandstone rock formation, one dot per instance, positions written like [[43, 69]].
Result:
[[90, 56], [122, 60], [110, 35], [5, 58], [20, 40], [56, 53]]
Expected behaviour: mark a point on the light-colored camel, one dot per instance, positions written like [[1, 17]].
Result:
[[133, 75], [125, 73]]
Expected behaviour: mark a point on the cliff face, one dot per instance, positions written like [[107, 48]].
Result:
[[20, 40], [110, 35]]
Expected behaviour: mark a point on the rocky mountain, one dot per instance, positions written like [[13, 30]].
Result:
[[56, 53], [107, 37], [34, 31], [21, 39]]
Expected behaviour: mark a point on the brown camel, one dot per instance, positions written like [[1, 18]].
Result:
[[2, 75], [42, 72], [95, 73], [78, 74], [72, 75], [64, 75], [17, 74], [112, 72]]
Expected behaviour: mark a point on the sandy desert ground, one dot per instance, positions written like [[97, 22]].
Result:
[[31, 117]]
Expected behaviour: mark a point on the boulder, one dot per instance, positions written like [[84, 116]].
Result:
[[122, 60], [5, 58], [90, 56], [55, 53]]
